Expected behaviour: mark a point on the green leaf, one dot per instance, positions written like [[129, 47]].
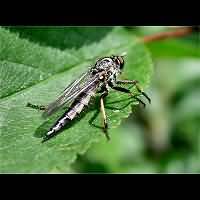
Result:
[[35, 69]]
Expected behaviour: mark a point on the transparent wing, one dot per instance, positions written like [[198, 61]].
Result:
[[75, 84], [70, 93]]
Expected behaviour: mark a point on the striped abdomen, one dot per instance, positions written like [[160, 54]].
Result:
[[77, 106]]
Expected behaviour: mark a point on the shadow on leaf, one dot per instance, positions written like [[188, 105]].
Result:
[[63, 37], [94, 105]]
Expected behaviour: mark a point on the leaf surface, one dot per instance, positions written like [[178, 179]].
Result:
[[35, 66]]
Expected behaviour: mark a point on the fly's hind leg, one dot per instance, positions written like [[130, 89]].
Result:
[[37, 107], [102, 108], [139, 89]]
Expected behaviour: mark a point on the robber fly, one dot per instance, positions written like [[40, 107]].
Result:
[[99, 78]]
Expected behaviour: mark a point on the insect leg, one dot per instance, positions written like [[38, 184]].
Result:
[[37, 107], [121, 89], [102, 108], [135, 82], [140, 101]]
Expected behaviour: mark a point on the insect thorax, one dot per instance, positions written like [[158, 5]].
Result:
[[109, 66]]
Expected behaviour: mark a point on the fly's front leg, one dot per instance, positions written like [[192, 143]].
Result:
[[37, 107], [128, 92], [135, 82], [102, 108]]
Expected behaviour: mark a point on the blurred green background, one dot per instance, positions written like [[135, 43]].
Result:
[[165, 136]]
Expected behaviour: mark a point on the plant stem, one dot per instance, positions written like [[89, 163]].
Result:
[[178, 32]]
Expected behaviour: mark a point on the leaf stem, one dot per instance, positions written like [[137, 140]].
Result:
[[178, 32]]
